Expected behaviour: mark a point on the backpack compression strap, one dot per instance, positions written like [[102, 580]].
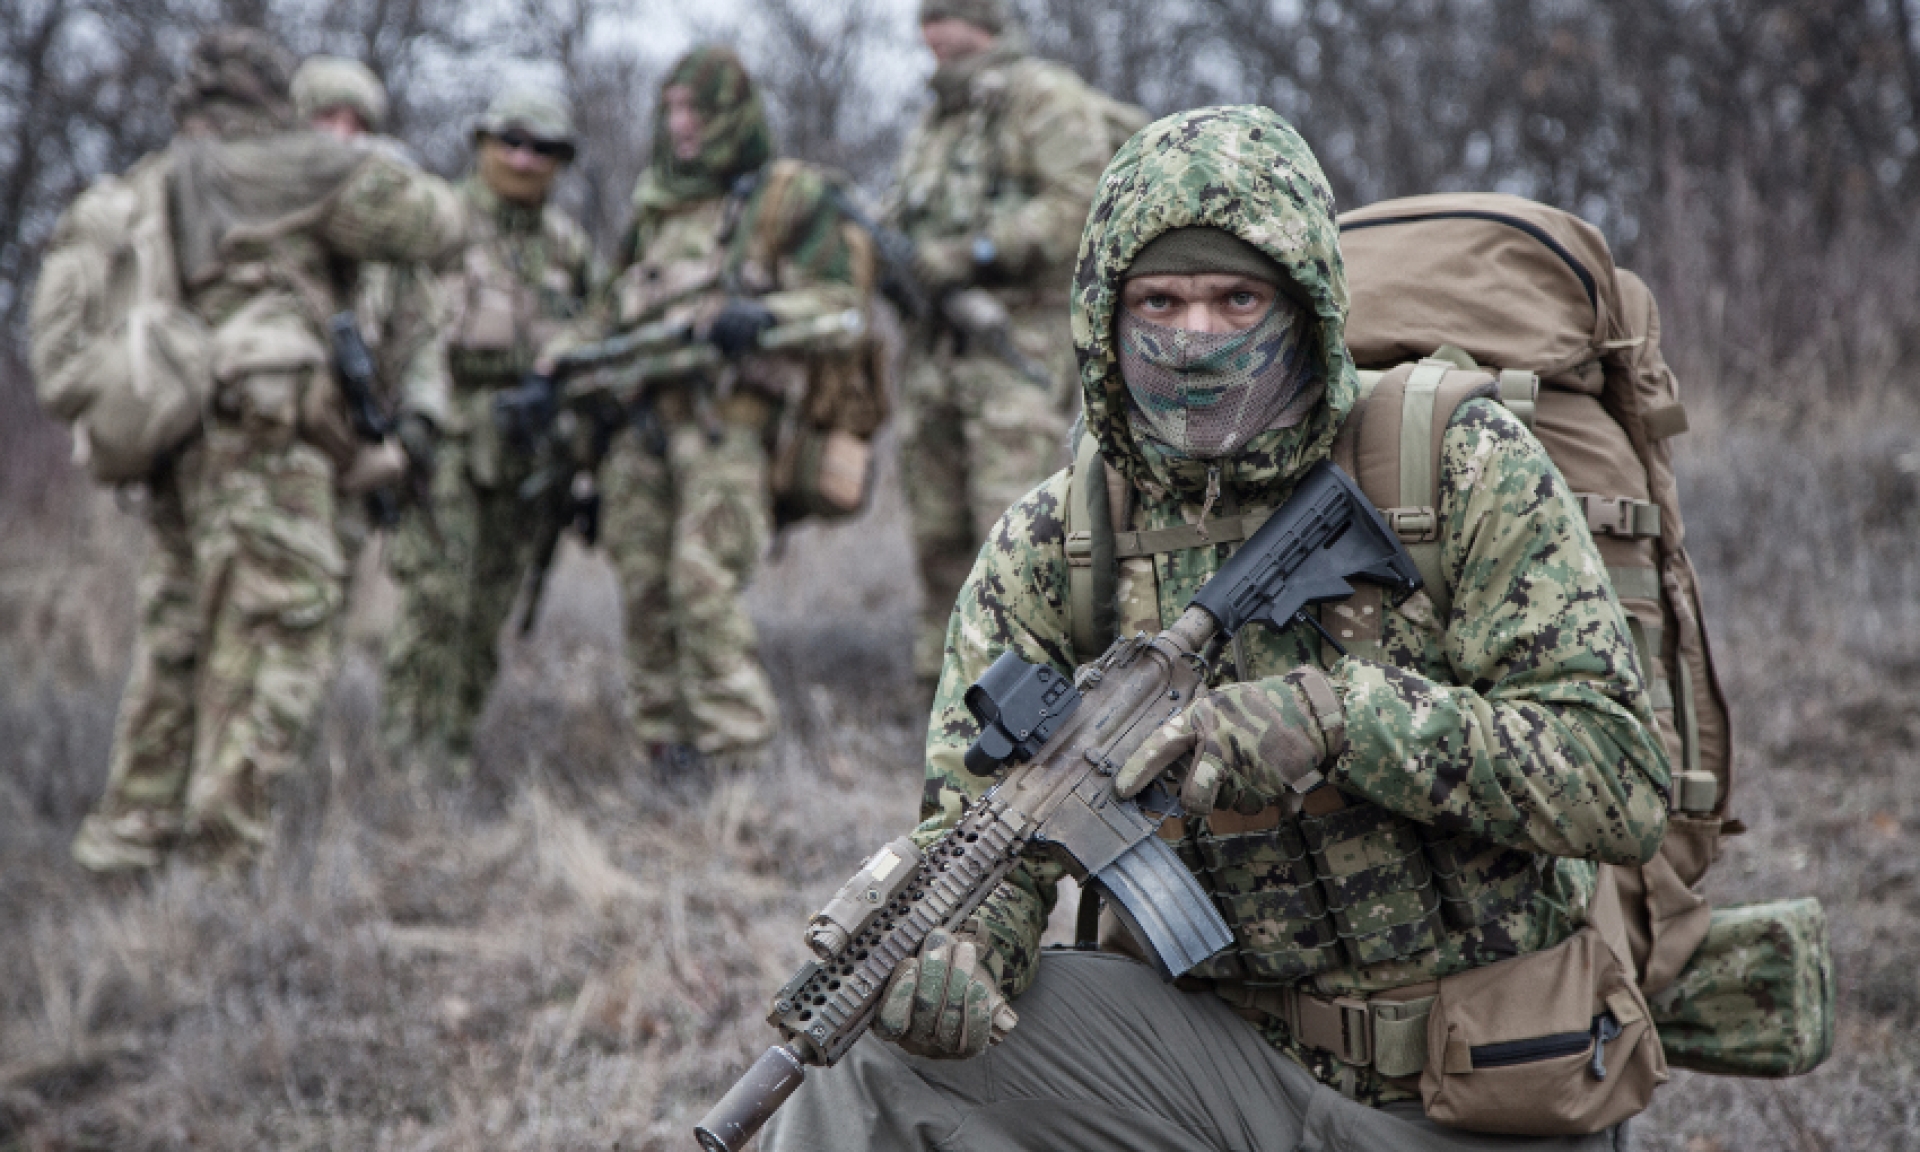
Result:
[[1395, 441], [1092, 569]]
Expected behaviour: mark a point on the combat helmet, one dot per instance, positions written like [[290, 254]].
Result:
[[542, 113], [323, 82], [992, 15]]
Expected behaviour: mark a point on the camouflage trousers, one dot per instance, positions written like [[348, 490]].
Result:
[[1108, 1058], [238, 602], [976, 434], [456, 589], [685, 530]]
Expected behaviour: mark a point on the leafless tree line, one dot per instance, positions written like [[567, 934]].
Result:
[[1756, 158]]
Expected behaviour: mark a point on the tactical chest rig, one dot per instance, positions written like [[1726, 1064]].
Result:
[[1343, 884]]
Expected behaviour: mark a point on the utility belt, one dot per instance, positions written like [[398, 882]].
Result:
[[1386, 1032], [1559, 1041]]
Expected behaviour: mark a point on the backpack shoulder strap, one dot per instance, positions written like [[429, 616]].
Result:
[[1395, 439], [1092, 569]]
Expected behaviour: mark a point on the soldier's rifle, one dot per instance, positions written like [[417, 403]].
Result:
[[973, 313], [354, 368], [1056, 745], [594, 389]]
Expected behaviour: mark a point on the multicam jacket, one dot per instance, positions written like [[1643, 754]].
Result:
[[733, 221], [270, 227], [1011, 151], [401, 315], [780, 238], [1511, 740], [523, 276]]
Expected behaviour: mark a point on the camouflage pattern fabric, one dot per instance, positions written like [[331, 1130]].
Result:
[[686, 507], [735, 138], [235, 649], [974, 434], [685, 531], [324, 83], [1248, 744], [240, 598], [540, 112], [402, 315], [1010, 152], [1518, 722], [524, 275], [943, 1002], [1757, 998]]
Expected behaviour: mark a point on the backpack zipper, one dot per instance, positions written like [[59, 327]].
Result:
[[1535, 1049]]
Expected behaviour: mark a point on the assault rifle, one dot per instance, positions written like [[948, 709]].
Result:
[[974, 314], [594, 389], [1059, 743], [353, 367]]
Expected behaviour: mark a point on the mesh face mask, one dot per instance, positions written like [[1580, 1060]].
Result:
[[1206, 394]]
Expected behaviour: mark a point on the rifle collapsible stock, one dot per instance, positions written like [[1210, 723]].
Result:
[[1059, 743]]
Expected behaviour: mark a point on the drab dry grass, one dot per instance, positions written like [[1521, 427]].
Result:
[[563, 953]]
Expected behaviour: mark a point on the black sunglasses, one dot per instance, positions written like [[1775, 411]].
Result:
[[553, 149]]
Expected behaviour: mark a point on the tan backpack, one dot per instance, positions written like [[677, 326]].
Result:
[[1528, 290], [115, 351]]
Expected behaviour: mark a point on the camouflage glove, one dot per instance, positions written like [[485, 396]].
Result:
[[736, 331], [943, 1003], [1249, 743]]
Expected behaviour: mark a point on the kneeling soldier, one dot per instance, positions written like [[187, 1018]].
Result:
[[1473, 767]]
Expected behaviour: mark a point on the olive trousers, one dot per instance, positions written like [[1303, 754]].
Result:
[[1107, 1057]]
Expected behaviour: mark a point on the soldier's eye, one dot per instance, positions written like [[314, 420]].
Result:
[[1242, 299], [1156, 302]]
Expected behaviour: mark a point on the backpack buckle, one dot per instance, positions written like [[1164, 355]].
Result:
[[1080, 549], [1620, 516], [1413, 525]]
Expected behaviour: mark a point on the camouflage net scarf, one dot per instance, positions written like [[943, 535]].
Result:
[[735, 138], [1206, 394]]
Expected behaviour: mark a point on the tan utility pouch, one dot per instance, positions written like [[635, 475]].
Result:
[[1554, 1043]]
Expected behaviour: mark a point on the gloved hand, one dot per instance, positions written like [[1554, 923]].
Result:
[[1250, 743], [943, 1003], [420, 440], [736, 330], [523, 412]]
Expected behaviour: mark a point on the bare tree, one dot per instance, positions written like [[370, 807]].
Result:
[[832, 73]]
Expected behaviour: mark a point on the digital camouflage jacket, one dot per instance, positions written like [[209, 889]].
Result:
[[1519, 721], [1012, 150]]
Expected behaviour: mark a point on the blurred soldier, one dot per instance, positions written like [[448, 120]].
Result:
[[524, 275], [397, 305], [992, 190], [242, 586], [735, 242]]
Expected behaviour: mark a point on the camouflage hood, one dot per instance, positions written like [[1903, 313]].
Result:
[[1246, 171], [736, 139]]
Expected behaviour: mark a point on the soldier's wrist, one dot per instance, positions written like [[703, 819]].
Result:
[[1324, 716]]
